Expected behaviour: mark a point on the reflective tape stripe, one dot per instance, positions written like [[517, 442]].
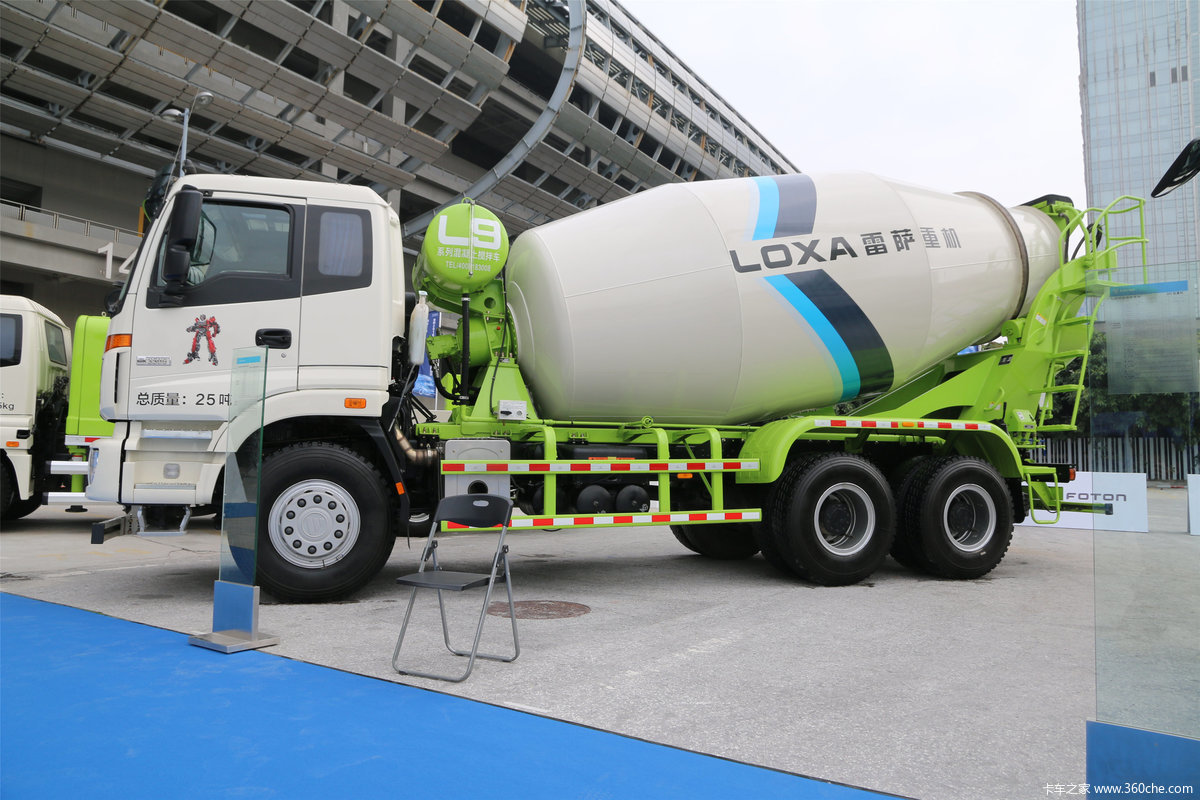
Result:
[[80, 441], [598, 520], [921, 424], [599, 466]]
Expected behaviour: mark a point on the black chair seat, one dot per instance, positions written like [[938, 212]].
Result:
[[448, 580]]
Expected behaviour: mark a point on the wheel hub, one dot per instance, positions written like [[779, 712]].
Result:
[[313, 524], [845, 518], [970, 518]]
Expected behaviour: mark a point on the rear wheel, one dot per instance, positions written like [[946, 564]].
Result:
[[909, 480], [326, 530], [680, 532], [724, 541], [765, 531], [962, 514], [832, 518]]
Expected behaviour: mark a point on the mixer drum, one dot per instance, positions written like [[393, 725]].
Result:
[[735, 301]]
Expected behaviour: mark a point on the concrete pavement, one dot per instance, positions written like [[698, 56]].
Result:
[[903, 684]]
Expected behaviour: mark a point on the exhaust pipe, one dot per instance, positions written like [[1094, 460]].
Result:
[[422, 457]]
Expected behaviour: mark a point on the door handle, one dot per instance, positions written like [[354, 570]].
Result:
[[278, 338]]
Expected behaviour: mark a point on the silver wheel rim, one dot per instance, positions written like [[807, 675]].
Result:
[[844, 519], [969, 518], [313, 524]]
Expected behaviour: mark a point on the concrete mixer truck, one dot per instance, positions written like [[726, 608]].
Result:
[[771, 364]]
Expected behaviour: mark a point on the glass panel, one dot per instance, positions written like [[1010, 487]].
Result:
[[1144, 436], [56, 345], [1151, 342], [337, 250], [243, 465], [238, 238], [341, 244]]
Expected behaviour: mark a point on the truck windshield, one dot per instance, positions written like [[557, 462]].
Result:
[[10, 340], [236, 238]]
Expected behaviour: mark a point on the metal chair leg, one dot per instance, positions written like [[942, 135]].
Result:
[[500, 561], [512, 613]]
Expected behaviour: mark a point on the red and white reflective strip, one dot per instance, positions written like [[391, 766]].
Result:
[[597, 520], [80, 441], [598, 466], [904, 424]]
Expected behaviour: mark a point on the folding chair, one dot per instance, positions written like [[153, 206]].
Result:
[[473, 511]]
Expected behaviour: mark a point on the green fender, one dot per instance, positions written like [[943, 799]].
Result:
[[772, 443]]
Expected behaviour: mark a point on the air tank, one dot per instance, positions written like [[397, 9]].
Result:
[[737, 301]]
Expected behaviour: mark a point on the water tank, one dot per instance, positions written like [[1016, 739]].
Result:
[[734, 301]]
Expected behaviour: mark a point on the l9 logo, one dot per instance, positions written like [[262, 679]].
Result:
[[486, 234]]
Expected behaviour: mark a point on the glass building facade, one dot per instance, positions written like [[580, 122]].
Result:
[[1141, 104]]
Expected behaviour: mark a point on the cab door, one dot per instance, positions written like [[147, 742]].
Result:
[[242, 289]]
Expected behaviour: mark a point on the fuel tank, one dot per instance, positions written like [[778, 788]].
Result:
[[736, 301]]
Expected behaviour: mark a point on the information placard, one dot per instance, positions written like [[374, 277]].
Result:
[[1125, 490]]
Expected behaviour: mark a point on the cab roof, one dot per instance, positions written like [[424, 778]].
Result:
[[281, 187], [13, 302]]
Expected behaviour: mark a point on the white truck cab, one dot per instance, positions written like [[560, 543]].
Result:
[[311, 270], [35, 358]]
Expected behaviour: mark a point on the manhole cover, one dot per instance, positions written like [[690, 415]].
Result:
[[539, 609]]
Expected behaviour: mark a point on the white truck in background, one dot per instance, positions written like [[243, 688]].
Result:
[[35, 359]]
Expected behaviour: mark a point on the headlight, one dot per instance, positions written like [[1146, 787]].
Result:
[[93, 463]]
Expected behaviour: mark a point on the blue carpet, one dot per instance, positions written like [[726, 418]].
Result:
[[97, 707]]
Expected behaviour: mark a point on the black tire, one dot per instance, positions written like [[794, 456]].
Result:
[[723, 541], [765, 531], [339, 533], [907, 483], [12, 507], [963, 512], [680, 532], [833, 518], [8, 487], [22, 508]]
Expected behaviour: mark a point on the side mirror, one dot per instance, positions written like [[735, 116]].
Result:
[[182, 229], [112, 301], [175, 264], [1182, 170]]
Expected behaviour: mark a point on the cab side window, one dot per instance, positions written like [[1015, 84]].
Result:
[[243, 253], [56, 344], [337, 250]]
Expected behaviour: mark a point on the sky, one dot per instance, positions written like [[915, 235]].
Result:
[[956, 95]]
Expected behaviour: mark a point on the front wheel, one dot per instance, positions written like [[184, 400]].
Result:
[[12, 507], [831, 518], [326, 529], [22, 508]]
